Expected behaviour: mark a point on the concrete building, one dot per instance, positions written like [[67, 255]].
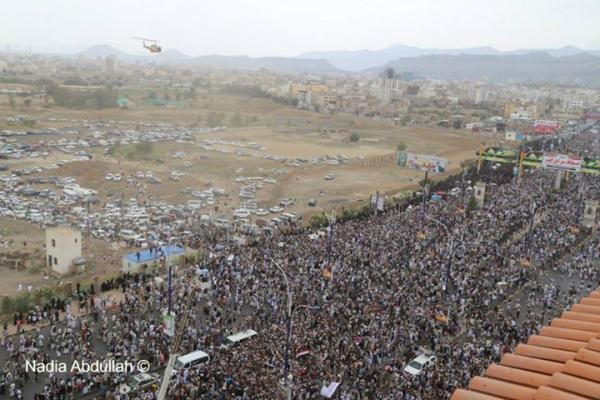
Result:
[[63, 249], [110, 65], [145, 260]]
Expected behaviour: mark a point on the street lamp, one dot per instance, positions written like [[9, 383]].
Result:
[[290, 313], [450, 254], [331, 221], [534, 210]]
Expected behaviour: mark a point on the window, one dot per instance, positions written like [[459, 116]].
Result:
[[55, 261], [75, 240], [53, 243]]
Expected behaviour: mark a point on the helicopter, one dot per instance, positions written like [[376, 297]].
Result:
[[152, 46]]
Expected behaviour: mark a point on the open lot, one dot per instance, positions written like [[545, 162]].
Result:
[[288, 153], [25, 241]]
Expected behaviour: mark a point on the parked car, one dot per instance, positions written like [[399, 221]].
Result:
[[419, 363], [139, 382]]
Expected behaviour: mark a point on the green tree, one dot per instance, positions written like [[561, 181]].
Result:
[[215, 119], [401, 146], [27, 102], [11, 102], [7, 305], [30, 123], [141, 150], [471, 205], [236, 120], [354, 137], [23, 303]]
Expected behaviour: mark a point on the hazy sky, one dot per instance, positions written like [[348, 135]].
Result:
[[290, 27]]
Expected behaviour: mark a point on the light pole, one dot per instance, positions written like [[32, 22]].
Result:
[[451, 253], [331, 221], [534, 210], [290, 314]]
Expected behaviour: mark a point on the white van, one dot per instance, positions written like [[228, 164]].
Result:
[[238, 338], [195, 359]]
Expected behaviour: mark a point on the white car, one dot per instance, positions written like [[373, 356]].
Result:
[[276, 209], [329, 177], [241, 213], [261, 212], [139, 382], [419, 363]]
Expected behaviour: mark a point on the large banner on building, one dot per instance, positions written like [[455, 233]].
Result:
[[424, 162], [562, 161]]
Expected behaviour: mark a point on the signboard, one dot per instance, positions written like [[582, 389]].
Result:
[[545, 127], [329, 390], [169, 325], [424, 162], [514, 136], [479, 193], [589, 213], [561, 161], [401, 160], [380, 203]]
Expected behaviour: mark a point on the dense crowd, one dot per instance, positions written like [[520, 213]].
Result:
[[465, 283]]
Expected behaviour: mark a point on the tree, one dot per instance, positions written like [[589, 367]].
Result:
[[354, 137], [23, 303], [215, 119], [471, 205], [141, 150], [7, 305], [11, 102], [30, 123], [236, 120], [401, 146]]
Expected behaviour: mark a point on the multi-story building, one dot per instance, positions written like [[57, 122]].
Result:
[[63, 249]]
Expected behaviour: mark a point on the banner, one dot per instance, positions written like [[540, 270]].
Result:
[[479, 193], [402, 156], [562, 161], [589, 214], [329, 390], [424, 162], [169, 325]]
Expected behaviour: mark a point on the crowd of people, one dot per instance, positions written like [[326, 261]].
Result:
[[466, 283]]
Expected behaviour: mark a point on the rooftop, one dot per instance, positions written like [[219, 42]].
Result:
[[146, 256], [562, 362]]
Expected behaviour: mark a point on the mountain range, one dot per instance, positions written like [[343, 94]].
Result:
[[173, 56], [563, 64], [364, 59], [533, 66]]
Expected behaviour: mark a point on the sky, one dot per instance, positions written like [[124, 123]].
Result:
[[291, 27]]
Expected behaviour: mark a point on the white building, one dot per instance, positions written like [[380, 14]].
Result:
[[63, 249]]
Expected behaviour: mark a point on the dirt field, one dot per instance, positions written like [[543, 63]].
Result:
[[282, 132], [279, 131], [102, 257]]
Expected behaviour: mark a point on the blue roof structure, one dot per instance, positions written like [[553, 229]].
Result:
[[146, 256]]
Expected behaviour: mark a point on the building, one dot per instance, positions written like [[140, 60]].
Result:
[[561, 362], [110, 65], [63, 249], [147, 259]]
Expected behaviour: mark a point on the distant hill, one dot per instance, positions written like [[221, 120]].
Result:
[[174, 56], [534, 66], [364, 59], [103, 50]]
